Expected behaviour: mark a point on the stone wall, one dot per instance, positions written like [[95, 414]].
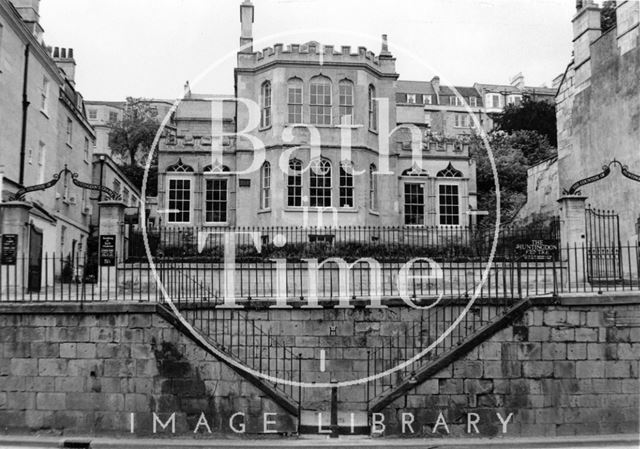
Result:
[[560, 371], [84, 373]]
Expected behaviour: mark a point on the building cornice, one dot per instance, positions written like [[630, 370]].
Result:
[[347, 65]]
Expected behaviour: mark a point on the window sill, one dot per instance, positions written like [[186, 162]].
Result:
[[264, 211], [43, 112], [348, 210], [374, 212], [69, 146], [373, 131], [265, 128], [216, 224]]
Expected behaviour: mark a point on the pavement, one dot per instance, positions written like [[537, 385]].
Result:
[[586, 442]]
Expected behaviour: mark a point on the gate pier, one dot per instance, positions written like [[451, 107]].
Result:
[[572, 238]]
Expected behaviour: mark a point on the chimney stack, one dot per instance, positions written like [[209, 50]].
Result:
[[63, 57], [246, 27], [435, 83], [30, 12], [385, 46]]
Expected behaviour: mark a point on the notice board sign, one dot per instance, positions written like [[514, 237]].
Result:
[[537, 250], [9, 251], [107, 250]]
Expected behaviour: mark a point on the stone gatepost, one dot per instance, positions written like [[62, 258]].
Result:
[[15, 220], [573, 239], [111, 224]]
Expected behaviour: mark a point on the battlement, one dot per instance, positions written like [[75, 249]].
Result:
[[314, 52]]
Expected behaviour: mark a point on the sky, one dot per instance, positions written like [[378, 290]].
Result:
[[149, 48]]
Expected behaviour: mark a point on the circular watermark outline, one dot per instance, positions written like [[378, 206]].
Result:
[[276, 380]]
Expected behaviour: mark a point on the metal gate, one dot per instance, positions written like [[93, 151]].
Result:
[[603, 250]]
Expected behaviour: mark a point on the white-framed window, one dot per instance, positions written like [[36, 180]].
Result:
[[473, 102], [373, 109], [294, 99], [411, 99], [179, 199], [493, 101], [514, 99], [428, 99], [44, 95], [449, 204], [414, 208], [93, 114], [320, 101], [69, 131], [461, 120], [320, 183], [265, 186], [294, 184], [345, 112], [373, 187], [265, 104], [42, 158], [455, 101], [216, 200], [86, 149], [346, 184]]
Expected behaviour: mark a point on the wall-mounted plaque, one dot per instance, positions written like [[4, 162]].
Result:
[[107, 250], [9, 254]]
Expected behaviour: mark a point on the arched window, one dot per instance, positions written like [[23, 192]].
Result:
[[294, 100], [415, 171], [179, 194], [320, 100], [346, 184], [265, 105], [449, 172], [345, 91], [320, 184], [265, 186], [216, 194], [373, 187], [373, 109], [294, 184]]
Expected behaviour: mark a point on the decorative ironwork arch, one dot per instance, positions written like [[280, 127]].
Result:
[[19, 195], [449, 172], [606, 171]]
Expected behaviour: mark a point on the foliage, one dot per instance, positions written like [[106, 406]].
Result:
[[608, 15], [135, 173], [513, 155], [132, 137], [530, 115]]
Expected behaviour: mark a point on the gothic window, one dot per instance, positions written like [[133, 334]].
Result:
[[320, 183], [373, 187], [294, 99], [449, 204], [415, 171], [414, 203], [179, 167], [265, 186], [294, 183], [320, 100], [345, 90], [449, 172], [346, 184], [373, 109], [216, 194], [265, 105]]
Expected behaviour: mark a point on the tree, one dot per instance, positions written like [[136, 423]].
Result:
[[513, 155], [608, 15], [132, 137], [531, 115]]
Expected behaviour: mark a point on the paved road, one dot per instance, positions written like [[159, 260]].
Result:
[[600, 442]]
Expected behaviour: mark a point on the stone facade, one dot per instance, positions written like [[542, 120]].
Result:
[[56, 133], [598, 110], [561, 370], [363, 187]]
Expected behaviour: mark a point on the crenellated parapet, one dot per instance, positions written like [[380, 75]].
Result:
[[315, 53]]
